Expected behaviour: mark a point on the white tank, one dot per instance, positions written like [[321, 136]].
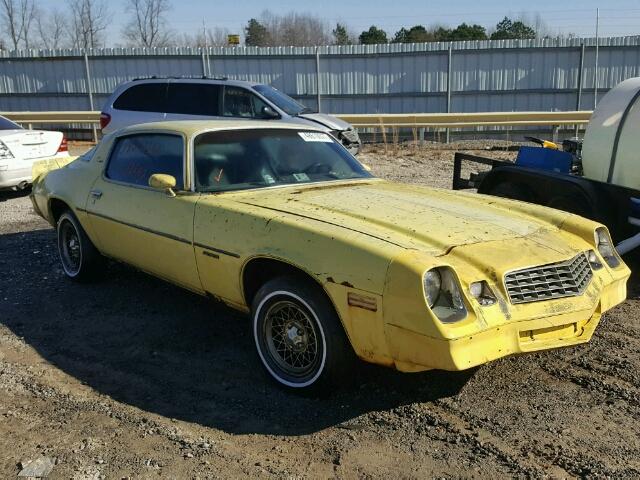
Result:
[[611, 147]]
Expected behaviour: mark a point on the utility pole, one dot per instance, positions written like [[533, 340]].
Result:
[[595, 74]]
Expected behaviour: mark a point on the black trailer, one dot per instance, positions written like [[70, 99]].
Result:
[[616, 206]]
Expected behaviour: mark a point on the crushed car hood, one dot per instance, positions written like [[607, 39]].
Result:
[[408, 216], [334, 123]]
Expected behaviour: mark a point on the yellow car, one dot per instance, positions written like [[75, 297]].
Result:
[[282, 222]]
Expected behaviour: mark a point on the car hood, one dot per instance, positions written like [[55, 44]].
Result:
[[414, 217], [329, 121]]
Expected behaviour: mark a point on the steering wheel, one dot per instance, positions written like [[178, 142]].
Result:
[[318, 167]]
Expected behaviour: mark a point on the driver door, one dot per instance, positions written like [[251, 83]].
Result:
[[145, 227]]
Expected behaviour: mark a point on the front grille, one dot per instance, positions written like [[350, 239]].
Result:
[[556, 280]]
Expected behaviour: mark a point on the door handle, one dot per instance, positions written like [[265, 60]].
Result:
[[96, 193]]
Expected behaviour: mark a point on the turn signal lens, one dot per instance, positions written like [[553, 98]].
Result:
[[483, 293], [593, 260]]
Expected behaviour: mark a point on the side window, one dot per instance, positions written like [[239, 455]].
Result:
[[239, 102], [146, 97], [194, 99], [135, 158]]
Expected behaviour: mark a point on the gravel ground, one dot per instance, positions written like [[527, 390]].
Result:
[[132, 377]]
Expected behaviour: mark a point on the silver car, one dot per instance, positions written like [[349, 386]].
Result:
[[20, 148], [160, 99]]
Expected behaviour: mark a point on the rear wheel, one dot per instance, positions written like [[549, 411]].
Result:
[[298, 336], [80, 259]]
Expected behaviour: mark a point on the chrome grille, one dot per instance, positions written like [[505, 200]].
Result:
[[556, 280]]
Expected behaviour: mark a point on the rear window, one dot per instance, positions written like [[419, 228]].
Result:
[[194, 99], [6, 124], [136, 157], [147, 97]]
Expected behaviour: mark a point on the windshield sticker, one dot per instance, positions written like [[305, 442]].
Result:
[[268, 179], [315, 137], [302, 177]]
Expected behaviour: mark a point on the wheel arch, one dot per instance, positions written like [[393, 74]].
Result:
[[56, 207], [259, 269]]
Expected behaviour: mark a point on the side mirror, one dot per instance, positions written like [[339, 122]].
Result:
[[269, 113], [161, 181]]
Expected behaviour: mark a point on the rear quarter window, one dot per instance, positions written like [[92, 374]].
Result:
[[136, 157], [194, 99], [147, 97]]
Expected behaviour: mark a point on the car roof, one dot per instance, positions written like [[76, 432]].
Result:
[[224, 80], [191, 127]]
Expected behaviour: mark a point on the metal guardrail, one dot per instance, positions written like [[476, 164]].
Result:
[[459, 120], [389, 120], [53, 117]]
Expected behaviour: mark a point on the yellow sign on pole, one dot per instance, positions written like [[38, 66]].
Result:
[[233, 39]]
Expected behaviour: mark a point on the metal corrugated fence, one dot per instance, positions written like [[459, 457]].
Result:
[[504, 75]]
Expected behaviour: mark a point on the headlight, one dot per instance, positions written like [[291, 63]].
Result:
[[606, 248], [5, 152], [432, 284], [443, 295]]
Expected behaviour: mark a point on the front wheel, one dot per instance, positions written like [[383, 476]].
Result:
[[298, 336], [80, 259]]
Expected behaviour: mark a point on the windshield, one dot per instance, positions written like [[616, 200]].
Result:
[[242, 159], [281, 100], [6, 124]]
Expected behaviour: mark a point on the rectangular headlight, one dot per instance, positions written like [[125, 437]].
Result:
[[443, 294], [605, 247]]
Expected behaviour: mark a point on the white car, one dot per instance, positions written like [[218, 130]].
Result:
[[161, 99], [20, 147]]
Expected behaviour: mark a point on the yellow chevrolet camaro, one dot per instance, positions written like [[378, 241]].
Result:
[[284, 223]]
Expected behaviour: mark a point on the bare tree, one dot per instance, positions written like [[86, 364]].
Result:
[[148, 27], [52, 28], [17, 17], [298, 29], [216, 37], [89, 20]]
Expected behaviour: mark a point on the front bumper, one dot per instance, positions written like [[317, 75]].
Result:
[[413, 351]]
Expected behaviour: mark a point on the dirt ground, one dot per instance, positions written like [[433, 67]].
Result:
[[134, 378]]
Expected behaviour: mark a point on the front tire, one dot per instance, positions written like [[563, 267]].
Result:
[[80, 259], [298, 335]]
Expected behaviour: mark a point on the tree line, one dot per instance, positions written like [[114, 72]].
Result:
[[84, 24]]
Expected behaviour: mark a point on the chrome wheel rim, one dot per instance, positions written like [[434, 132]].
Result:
[[70, 250], [292, 339]]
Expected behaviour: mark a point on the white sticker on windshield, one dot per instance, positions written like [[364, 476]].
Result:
[[315, 137], [301, 177]]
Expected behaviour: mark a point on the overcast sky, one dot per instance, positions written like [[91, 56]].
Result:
[[617, 17]]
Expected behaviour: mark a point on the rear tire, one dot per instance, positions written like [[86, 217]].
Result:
[[299, 338], [80, 259]]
